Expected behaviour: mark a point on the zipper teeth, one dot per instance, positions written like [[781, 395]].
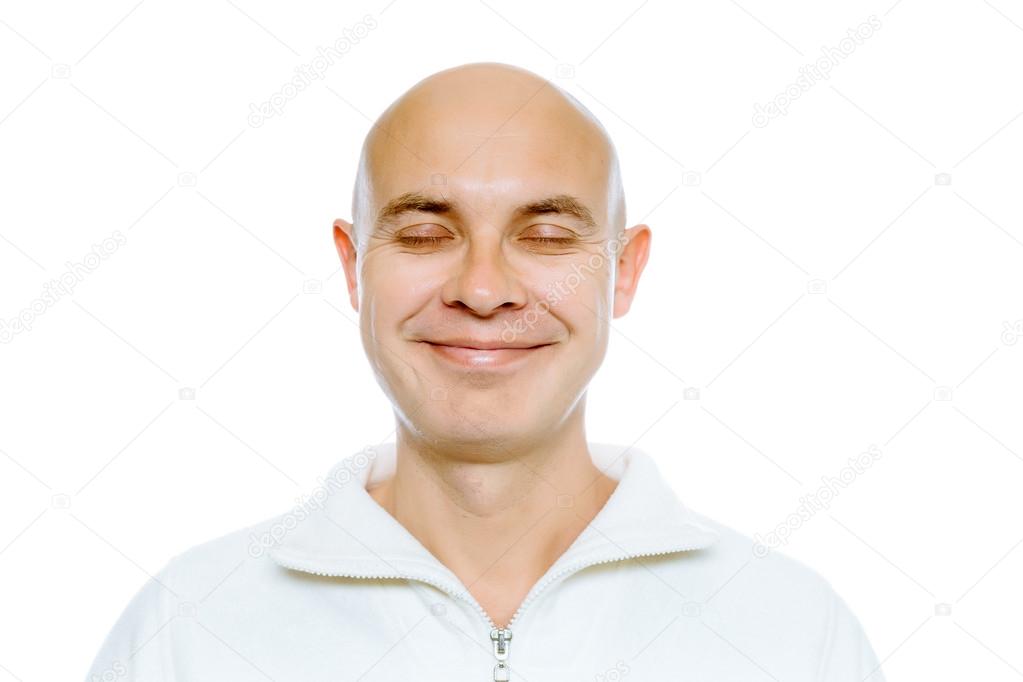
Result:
[[586, 564], [399, 576], [471, 600]]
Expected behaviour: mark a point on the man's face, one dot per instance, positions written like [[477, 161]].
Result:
[[485, 270]]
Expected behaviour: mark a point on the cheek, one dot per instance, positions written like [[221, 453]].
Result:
[[393, 291], [578, 291], [389, 272]]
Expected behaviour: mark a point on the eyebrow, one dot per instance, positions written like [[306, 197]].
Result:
[[560, 204], [416, 202], [413, 202]]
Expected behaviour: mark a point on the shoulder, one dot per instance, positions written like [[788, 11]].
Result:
[[756, 567], [740, 588], [239, 555], [765, 601], [176, 619]]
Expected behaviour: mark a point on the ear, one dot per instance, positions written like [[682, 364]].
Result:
[[632, 257], [346, 250]]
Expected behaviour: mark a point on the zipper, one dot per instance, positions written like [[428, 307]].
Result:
[[500, 637]]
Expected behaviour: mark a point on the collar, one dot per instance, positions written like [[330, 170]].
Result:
[[343, 531]]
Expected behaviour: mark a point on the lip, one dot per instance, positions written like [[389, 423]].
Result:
[[485, 358], [481, 344]]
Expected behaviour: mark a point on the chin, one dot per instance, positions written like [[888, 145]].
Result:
[[469, 431]]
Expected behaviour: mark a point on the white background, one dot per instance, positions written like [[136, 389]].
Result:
[[812, 279]]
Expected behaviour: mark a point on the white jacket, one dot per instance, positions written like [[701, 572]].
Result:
[[336, 589]]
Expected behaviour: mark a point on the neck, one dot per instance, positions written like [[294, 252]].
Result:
[[499, 519]]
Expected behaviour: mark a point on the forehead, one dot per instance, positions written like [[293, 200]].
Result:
[[488, 161]]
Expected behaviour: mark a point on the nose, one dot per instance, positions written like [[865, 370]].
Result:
[[484, 281]]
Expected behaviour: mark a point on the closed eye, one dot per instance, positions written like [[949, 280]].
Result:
[[560, 241], [416, 240]]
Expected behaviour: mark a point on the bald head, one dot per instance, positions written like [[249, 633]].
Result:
[[481, 133]]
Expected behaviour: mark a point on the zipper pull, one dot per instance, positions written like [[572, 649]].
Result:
[[501, 639]]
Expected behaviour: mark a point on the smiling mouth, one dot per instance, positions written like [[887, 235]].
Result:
[[485, 358]]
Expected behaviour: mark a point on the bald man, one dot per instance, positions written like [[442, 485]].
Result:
[[486, 256]]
